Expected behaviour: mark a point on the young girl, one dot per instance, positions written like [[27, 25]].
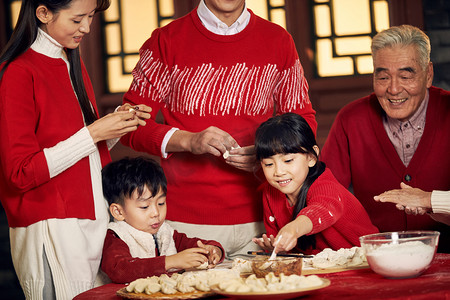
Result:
[[304, 205], [52, 149]]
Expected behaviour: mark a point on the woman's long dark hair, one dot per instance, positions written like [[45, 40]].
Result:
[[284, 134], [24, 35]]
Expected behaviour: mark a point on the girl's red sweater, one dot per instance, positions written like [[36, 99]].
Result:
[[337, 216]]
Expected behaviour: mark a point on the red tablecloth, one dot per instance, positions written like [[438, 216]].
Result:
[[356, 284]]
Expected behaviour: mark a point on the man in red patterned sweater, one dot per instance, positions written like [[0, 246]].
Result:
[[400, 133], [215, 74]]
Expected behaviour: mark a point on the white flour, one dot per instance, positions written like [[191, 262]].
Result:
[[401, 260]]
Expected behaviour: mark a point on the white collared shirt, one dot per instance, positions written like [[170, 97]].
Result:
[[215, 25]]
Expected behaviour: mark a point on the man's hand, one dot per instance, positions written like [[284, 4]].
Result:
[[212, 140], [242, 158], [411, 200]]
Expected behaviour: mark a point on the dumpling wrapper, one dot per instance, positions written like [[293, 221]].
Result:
[[227, 154]]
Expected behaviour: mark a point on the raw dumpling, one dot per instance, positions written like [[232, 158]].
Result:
[[138, 286], [227, 284], [167, 280], [167, 288], [202, 286], [271, 278], [152, 288], [203, 266], [184, 288]]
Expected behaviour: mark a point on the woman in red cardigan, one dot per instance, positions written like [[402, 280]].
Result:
[[52, 149]]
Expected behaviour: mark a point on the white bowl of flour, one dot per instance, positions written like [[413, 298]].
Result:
[[403, 254]]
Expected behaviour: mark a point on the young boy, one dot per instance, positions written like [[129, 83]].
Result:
[[138, 243]]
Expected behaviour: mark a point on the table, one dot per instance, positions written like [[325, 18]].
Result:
[[433, 284]]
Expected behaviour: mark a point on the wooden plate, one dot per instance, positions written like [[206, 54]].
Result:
[[160, 296], [279, 295], [312, 270]]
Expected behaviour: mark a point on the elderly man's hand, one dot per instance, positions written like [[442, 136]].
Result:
[[411, 200]]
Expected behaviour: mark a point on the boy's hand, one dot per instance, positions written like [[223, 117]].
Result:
[[186, 259], [214, 254]]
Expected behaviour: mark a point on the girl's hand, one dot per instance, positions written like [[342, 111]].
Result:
[[214, 253], [265, 242], [286, 238], [186, 259], [291, 232]]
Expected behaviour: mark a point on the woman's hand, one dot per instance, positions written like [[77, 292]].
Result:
[[186, 259], [119, 123], [141, 111]]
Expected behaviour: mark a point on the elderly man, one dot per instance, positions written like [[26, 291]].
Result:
[[399, 133], [215, 75]]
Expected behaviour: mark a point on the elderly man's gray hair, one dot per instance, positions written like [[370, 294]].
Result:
[[404, 35]]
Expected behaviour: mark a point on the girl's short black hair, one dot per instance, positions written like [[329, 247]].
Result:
[[290, 133], [121, 178], [282, 134]]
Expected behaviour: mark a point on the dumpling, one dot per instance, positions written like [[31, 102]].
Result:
[[242, 265], [184, 288], [242, 288], [202, 286], [130, 287], [256, 284], [167, 288], [175, 276], [138, 286], [167, 280], [203, 266], [235, 286], [187, 279], [271, 278], [152, 288], [224, 285], [311, 281], [274, 287]]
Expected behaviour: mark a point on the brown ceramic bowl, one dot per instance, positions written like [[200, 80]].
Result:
[[261, 266]]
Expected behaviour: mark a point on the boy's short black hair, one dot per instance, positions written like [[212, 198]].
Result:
[[121, 178]]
